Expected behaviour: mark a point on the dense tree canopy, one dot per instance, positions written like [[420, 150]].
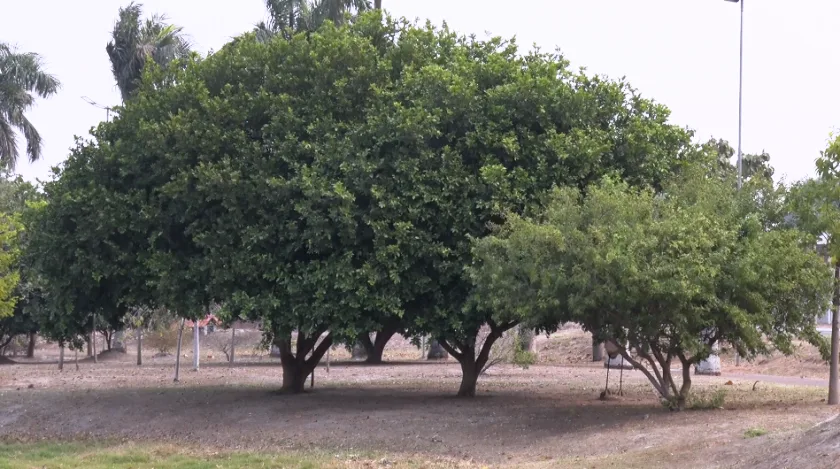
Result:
[[332, 181], [663, 275]]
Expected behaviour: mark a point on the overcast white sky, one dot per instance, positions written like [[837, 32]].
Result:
[[683, 53]]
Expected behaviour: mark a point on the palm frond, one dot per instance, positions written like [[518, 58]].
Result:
[[21, 79], [8, 144], [135, 41]]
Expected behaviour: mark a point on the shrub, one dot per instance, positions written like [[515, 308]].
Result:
[[707, 401], [754, 432]]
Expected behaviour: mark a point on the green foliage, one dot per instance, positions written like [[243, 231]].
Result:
[[755, 432], [110, 456], [814, 202], [333, 181], [706, 400], [135, 42], [22, 79], [669, 273], [522, 356], [10, 229], [81, 246]]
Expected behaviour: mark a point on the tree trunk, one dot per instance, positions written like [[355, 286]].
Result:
[[597, 350], [294, 377], [139, 346], [296, 367], [61, 356], [30, 350], [76, 358], [833, 385], [178, 355], [686, 383], [377, 4], [471, 365], [93, 340], [526, 339], [119, 341], [469, 379], [374, 348], [232, 343], [359, 350], [436, 351], [196, 346]]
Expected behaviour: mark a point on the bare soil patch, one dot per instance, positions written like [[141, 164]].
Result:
[[545, 416]]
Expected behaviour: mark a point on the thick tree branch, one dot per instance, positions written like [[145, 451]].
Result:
[[319, 351], [451, 350], [652, 362], [656, 384]]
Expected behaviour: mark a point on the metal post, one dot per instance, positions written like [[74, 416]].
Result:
[[741, 98]]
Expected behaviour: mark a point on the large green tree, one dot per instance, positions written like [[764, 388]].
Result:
[[82, 249], [815, 208], [15, 195], [135, 41], [664, 276], [330, 182], [22, 79]]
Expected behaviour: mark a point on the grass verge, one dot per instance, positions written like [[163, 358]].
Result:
[[138, 456]]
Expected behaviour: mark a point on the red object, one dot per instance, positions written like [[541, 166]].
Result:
[[204, 322]]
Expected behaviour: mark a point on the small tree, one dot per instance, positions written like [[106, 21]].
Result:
[[667, 274], [816, 209]]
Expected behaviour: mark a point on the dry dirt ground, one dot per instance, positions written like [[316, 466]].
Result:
[[545, 416]]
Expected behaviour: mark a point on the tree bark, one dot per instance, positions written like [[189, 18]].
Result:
[[833, 385], [119, 341], [469, 378], [196, 346], [178, 355], [76, 358], [526, 339], [93, 340], [597, 350], [686, 383], [374, 348], [296, 367], [139, 346], [471, 365], [232, 343], [359, 350], [436, 351], [61, 356], [30, 349]]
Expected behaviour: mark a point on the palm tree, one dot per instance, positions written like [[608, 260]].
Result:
[[290, 16], [22, 78], [133, 42], [335, 10]]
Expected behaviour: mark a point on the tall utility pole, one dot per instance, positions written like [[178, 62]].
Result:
[[95, 104], [833, 391], [740, 114], [740, 93]]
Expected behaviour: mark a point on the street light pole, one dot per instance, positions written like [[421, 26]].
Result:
[[740, 93]]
